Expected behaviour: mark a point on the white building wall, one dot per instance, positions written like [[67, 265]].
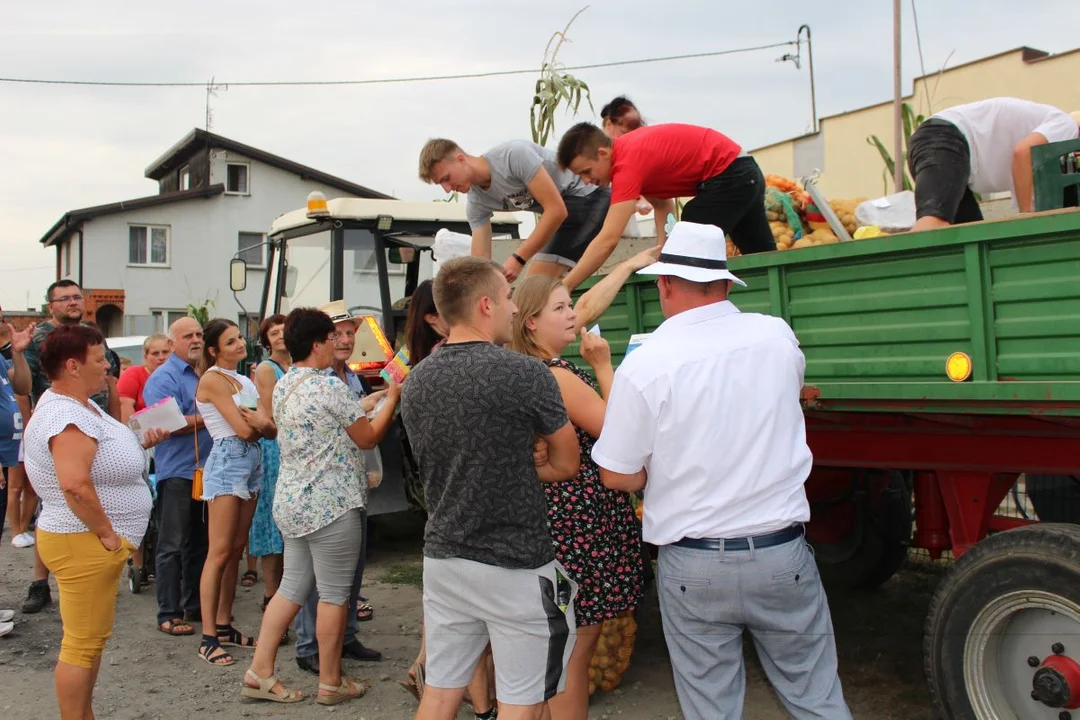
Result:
[[203, 238]]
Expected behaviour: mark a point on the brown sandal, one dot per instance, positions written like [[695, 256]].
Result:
[[172, 627]]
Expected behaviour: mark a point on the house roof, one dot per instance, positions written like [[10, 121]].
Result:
[[179, 154], [72, 219]]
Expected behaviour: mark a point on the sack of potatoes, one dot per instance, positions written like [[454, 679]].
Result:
[[614, 648]]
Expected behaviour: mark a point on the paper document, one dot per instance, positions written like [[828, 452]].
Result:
[[595, 330], [636, 341], [165, 415]]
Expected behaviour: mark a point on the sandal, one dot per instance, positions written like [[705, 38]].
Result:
[[265, 691], [341, 693], [173, 626], [211, 651], [249, 578], [364, 612], [230, 636], [415, 684]]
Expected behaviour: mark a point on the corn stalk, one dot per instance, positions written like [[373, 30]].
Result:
[[555, 86], [911, 121], [201, 313]]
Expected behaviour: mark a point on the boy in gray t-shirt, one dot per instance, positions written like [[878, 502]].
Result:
[[520, 175]]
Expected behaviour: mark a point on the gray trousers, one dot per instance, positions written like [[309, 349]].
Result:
[[708, 597], [306, 642]]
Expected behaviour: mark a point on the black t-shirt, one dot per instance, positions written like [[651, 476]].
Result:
[[472, 411]]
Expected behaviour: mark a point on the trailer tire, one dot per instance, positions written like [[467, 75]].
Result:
[[1009, 599], [882, 536]]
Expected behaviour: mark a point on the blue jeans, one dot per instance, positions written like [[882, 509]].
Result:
[[307, 644]]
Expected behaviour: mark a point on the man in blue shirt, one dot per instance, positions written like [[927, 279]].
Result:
[[182, 541], [307, 645]]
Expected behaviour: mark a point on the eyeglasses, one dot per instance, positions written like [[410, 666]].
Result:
[[67, 298]]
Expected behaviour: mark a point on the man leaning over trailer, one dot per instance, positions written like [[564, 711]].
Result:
[[663, 162], [981, 147]]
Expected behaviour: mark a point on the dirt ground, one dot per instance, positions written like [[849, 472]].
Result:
[[146, 675]]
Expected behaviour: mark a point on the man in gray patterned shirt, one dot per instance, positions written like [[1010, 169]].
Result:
[[473, 411]]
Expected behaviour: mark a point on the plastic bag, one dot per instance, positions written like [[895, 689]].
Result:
[[449, 245], [892, 213], [781, 203], [373, 467]]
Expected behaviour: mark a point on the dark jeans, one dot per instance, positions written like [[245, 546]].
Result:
[[306, 642], [734, 201], [940, 164], [181, 549]]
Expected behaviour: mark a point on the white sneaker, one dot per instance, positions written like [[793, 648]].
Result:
[[7, 616], [5, 628], [25, 540]]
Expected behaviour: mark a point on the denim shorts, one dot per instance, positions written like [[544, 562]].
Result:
[[939, 158], [234, 467]]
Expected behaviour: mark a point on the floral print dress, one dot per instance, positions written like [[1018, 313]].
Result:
[[596, 534]]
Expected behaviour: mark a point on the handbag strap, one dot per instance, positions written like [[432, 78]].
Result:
[[197, 416], [294, 387]]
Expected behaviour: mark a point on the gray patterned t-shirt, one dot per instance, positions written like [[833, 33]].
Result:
[[472, 412], [513, 165]]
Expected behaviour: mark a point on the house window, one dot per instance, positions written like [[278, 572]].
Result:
[[252, 251], [236, 178], [185, 178], [361, 244], [67, 255], [148, 245], [163, 319]]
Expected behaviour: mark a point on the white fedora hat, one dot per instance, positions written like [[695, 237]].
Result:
[[694, 252], [337, 312]]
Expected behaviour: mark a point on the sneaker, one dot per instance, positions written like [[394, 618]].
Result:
[[23, 540], [37, 598], [7, 616], [6, 627]]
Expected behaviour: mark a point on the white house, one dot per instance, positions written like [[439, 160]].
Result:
[[141, 262]]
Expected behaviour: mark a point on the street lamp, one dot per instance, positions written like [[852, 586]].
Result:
[[797, 59]]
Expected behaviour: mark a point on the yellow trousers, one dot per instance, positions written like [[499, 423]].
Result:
[[88, 576]]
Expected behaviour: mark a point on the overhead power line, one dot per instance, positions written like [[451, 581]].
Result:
[[388, 81]]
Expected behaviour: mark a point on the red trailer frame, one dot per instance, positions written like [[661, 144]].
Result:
[[964, 464]]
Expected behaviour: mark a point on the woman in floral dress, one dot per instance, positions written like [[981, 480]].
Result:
[[595, 532], [265, 539]]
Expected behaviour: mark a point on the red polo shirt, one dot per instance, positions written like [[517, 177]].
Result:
[[668, 161]]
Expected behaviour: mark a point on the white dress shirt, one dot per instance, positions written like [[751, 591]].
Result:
[[709, 406]]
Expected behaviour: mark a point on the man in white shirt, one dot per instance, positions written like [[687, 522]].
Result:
[[705, 416], [981, 147]]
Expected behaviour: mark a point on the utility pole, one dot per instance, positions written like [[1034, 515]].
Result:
[[898, 125]]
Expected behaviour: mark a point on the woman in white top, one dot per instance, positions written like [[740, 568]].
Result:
[[232, 479], [87, 469]]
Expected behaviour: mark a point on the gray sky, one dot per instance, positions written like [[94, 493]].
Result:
[[67, 147]]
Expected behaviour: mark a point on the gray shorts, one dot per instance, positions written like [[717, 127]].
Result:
[[317, 560], [526, 615], [584, 218]]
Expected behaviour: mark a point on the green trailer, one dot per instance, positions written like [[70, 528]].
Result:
[[884, 323]]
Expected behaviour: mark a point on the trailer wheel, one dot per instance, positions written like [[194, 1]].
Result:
[[1002, 635], [875, 544]]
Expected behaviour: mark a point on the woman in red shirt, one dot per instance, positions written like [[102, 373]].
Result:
[[156, 349]]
